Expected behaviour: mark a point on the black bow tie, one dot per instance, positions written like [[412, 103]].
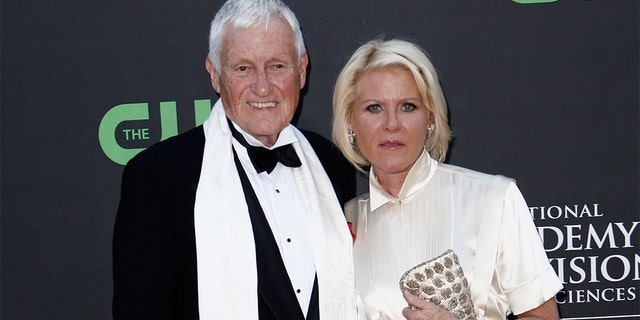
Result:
[[264, 159]]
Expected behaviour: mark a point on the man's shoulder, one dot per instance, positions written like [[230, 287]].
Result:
[[317, 140], [177, 149], [327, 152], [340, 171]]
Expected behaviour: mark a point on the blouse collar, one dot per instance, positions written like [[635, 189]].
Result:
[[419, 175]]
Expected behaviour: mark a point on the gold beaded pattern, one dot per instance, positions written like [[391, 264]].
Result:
[[441, 281]]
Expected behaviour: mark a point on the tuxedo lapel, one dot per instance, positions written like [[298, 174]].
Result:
[[276, 298], [275, 292]]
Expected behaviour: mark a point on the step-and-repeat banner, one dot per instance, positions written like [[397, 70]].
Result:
[[546, 92]]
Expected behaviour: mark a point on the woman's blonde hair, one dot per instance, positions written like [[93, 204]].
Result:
[[376, 55]]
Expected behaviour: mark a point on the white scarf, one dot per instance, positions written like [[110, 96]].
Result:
[[226, 259]]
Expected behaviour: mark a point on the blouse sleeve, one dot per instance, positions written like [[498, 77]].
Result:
[[523, 269]]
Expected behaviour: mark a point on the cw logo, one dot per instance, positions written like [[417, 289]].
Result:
[[120, 121]]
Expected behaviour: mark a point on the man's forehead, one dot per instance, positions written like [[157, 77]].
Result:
[[248, 42], [268, 24]]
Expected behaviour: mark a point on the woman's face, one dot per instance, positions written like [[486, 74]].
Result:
[[390, 121]]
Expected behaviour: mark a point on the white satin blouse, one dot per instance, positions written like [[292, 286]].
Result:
[[438, 208]]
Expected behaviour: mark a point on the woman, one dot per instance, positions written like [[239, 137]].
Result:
[[390, 114]]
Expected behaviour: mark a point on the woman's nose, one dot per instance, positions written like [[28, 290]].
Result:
[[390, 120]]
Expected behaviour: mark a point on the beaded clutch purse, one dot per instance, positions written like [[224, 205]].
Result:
[[441, 281]]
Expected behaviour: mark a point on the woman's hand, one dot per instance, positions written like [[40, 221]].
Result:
[[423, 310]]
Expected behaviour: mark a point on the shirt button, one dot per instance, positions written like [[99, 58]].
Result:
[[288, 239], [298, 291], [277, 190]]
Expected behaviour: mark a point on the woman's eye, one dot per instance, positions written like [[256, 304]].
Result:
[[408, 107], [374, 108]]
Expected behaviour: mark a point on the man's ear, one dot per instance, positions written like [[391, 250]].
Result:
[[215, 80]]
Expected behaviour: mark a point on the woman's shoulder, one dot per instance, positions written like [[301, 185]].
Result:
[[356, 203], [352, 210], [474, 180], [466, 173]]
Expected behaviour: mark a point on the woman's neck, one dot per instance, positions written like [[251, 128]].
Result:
[[391, 183]]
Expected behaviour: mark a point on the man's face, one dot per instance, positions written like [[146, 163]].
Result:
[[260, 78]]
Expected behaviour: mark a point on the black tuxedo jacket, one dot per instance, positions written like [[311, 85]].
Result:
[[154, 253]]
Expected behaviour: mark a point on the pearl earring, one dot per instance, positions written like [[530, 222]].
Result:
[[430, 130]]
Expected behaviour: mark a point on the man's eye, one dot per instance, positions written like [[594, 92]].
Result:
[[278, 66], [242, 68], [408, 107]]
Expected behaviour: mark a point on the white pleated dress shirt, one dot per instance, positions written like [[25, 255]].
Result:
[[437, 209]]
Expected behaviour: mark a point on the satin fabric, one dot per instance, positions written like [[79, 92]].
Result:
[[227, 278], [440, 207]]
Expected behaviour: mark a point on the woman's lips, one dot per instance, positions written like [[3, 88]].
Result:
[[391, 144]]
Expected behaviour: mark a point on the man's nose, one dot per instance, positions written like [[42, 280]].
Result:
[[262, 84]]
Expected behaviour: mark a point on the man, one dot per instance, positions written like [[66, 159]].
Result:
[[202, 234]]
